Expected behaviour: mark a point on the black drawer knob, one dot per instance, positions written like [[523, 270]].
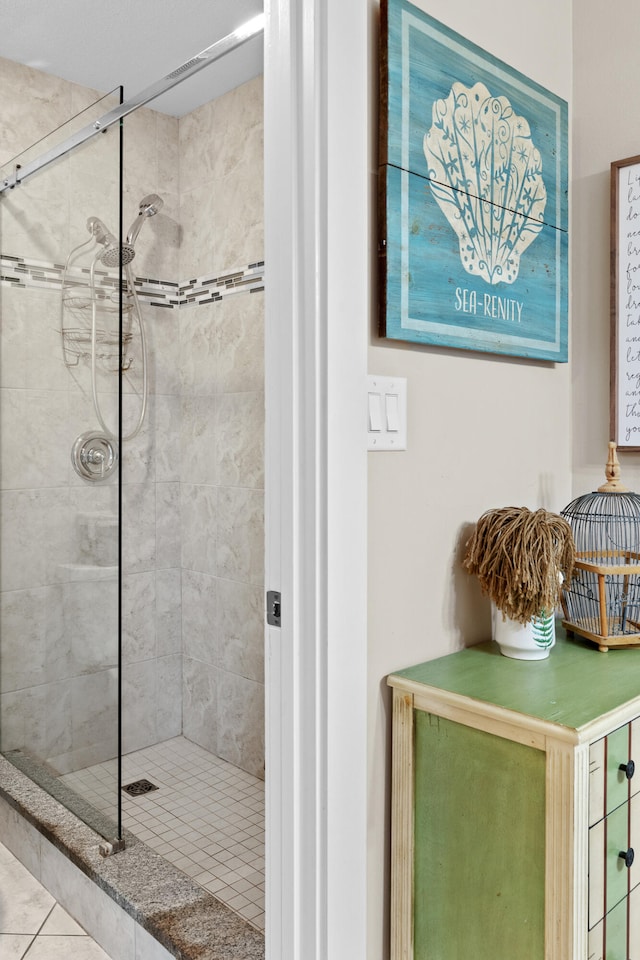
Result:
[[627, 856], [629, 769]]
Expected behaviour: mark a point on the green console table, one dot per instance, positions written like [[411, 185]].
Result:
[[516, 806]]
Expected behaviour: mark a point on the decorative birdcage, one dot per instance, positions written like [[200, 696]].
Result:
[[602, 602]]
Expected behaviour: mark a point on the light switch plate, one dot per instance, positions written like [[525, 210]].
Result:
[[386, 412]]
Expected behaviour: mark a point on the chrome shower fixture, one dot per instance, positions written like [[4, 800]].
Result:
[[149, 206], [100, 232], [114, 253]]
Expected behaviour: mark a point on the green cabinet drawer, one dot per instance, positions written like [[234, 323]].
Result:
[[609, 783], [610, 878], [617, 935]]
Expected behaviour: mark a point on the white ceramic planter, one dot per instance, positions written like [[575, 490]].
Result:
[[524, 641]]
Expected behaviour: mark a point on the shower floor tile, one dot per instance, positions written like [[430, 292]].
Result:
[[207, 817]]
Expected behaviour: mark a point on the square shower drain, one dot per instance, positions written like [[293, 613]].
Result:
[[139, 787]]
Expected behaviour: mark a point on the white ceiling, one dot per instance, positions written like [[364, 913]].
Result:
[[104, 43]]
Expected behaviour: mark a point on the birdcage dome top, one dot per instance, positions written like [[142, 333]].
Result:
[[608, 519], [598, 505]]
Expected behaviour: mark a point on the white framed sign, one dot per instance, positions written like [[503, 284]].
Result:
[[625, 303]]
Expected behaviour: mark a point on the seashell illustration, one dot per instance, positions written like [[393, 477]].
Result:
[[486, 177]]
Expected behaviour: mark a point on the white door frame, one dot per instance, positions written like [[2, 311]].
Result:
[[317, 320]]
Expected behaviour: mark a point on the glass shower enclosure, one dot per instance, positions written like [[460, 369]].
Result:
[[132, 466], [69, 352]]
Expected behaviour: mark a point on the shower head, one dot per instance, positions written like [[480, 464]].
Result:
[[114, 253], [149, 206]]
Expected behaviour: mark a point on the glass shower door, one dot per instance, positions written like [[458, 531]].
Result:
[[60, 371]]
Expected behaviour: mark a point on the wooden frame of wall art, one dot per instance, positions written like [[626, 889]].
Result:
[[473, 211]]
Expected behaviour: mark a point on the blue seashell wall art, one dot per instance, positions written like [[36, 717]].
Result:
[[473, 196]]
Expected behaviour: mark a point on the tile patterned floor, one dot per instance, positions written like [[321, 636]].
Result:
[[207, 817], [32, 925]]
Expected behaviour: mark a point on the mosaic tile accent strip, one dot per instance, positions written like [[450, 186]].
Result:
[[18, 272], [208, 289], [39, 274]]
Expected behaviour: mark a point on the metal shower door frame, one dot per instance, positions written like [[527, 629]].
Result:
[[185, 70]]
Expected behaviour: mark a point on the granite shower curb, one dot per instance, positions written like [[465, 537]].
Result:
[[183, 917]]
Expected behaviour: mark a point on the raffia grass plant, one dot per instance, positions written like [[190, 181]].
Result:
[[521, 558]]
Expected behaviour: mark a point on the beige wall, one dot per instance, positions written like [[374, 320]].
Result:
[[483, 432], [606, 127]]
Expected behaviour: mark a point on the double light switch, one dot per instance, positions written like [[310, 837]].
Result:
[[387, 413]]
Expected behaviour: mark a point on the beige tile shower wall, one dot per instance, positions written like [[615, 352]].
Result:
[[221, 183], [222, 448], [45, 217], [152, 597]]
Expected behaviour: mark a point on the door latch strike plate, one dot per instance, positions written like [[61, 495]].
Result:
[[274, 607]]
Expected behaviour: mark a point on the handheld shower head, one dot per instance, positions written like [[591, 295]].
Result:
[[114, 253], [149, 206]]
